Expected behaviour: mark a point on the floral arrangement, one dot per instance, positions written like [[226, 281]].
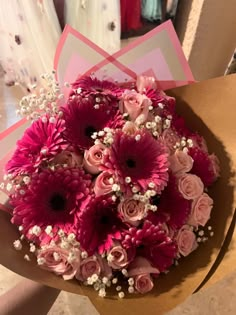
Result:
[[110, 186]]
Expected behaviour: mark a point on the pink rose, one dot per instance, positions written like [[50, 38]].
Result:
[[141, 265], [186, 240], [70, 158], [170, 138], [180, 162], [143, 283], [103, 183], [201, 210], [93, 158], [129, 128], [118, 257], [140, 269], [190, 186], [88, 267], [215, 165], [132, 211], [55, 259], [144, 82], [93, 265], [136, 105]]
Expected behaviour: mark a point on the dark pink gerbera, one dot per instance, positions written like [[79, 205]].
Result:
[[52, 198], [199, 141], [152, 242], [82, 119], [179, 125], [172, 204], [19, 163], [203, 166], [99, 225], [40, 142], [161, 255], [100, 91], [148, 233], [143, 160], [167, 106]]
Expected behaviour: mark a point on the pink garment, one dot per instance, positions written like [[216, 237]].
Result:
[[130, 15]]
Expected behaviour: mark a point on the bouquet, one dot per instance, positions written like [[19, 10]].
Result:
[[110, 186]]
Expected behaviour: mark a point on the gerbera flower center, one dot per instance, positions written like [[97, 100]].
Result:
[[131, 163], [89, 130], [156, 200], [57, 202], [98, 89], [104, 219]]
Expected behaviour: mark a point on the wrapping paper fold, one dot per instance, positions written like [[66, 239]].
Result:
[[157, 54], [208, 107]]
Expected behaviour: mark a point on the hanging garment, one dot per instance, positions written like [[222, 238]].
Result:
[[152, 10], [172, 7], [98, 20], [28, 35], [130, 15]]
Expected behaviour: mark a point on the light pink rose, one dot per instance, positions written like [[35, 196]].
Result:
[[141, 265], [88, 267], [143, 283], [144, 82], [140, 269], [93, 265], [170, 138], [180, 162], [132, 211], [119, 257], [136, 105], [201, 210], [93, 158], [70, 158], [190, 186], [186, 240], [103, 183], [55, 259], [129, 128], [215, 164]]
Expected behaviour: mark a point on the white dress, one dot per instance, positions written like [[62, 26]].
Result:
[[29, 32], [98, 20]]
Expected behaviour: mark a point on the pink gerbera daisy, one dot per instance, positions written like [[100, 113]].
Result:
[[179, 125], [167, 103], [99, 225], [202, 165], [172, 205], [101, 91], [40, 142], [82, 119], [19, 163], [52, 198], [152, 242], [139, 157], [161, 254]]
